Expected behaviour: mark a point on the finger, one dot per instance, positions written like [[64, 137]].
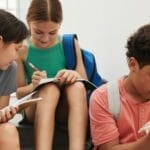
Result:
[[60, 73], [13, 110], [62, 81], [147, 132], [0, 116], [145, 129], [3, 117], [141, 130], [66, 75], [147, 124], [36, 77], [8, 114], [44, 74], [73, 79], [69, 78], [35, 81]]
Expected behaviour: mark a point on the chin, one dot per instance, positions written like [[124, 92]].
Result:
[[4, 67]]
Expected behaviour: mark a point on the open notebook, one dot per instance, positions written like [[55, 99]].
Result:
[[88, 85], [26, 101]]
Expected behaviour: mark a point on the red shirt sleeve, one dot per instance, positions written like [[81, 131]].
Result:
[[103, 125]]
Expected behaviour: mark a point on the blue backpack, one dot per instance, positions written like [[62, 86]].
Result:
[[88, 59]]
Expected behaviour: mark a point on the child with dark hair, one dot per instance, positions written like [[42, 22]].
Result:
[[109, 133], [12, 33]]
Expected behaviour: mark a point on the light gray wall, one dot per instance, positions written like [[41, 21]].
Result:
[[103, 27], [22, 6]]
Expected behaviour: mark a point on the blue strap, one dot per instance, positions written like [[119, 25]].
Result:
[[87, 56], [69, 50]]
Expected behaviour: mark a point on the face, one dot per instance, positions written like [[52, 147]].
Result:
[[8, 54], [44, 34], [141, 79]]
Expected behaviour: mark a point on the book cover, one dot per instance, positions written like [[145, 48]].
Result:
[[88, 85], [26, 101], [45, 81]]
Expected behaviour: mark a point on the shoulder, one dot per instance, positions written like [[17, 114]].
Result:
[[99, 96], [12, 69], [8, 80], [23, 51]]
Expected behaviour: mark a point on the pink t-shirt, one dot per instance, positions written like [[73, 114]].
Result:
[[133, 115]]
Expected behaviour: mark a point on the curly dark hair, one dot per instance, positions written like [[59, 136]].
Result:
[[138, 46]]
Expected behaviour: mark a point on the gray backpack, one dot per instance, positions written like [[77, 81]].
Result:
[[113, 98]]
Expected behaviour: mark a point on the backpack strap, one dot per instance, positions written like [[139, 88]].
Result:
[[113, 98], [87, 56], [69, 50]]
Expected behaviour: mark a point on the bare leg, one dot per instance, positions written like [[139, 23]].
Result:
[[76, 96], [45, 117], [9, 138]]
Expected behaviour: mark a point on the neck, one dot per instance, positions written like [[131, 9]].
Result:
[[132, 91]]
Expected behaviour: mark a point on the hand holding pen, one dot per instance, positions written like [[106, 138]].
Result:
[[37, 75], [40, 73]]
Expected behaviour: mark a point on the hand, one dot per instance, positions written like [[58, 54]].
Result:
[[37, 76], [145, 128], [67, 76], [7, 113]]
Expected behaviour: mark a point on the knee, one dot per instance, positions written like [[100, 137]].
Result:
[[50, 89], [77, 86], [8, 131]]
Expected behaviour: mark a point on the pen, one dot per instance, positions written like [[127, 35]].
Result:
[[33, 67]]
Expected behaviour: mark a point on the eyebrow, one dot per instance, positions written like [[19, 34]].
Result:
[[55, 30]]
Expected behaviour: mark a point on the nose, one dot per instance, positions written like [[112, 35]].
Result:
[[45, 38]]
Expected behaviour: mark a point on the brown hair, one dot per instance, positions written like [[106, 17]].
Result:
[[11, 28], [45, 10]]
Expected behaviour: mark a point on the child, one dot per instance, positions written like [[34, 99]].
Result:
[[122, 133], [12, 32], [67, 101]]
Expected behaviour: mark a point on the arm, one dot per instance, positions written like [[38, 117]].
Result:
[[143, 143], [105, 134], [4, 101], [80, 66], [22, 88]]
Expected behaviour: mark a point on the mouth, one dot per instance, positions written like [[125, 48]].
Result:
[[43, 42]]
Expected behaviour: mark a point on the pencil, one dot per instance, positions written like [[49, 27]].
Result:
[[33, 67]]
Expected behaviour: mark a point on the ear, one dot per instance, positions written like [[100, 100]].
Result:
[[133, 64], [1, 42]]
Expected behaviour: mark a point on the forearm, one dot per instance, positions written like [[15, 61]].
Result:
[[4, 101], [143, 143], [22, 91]]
